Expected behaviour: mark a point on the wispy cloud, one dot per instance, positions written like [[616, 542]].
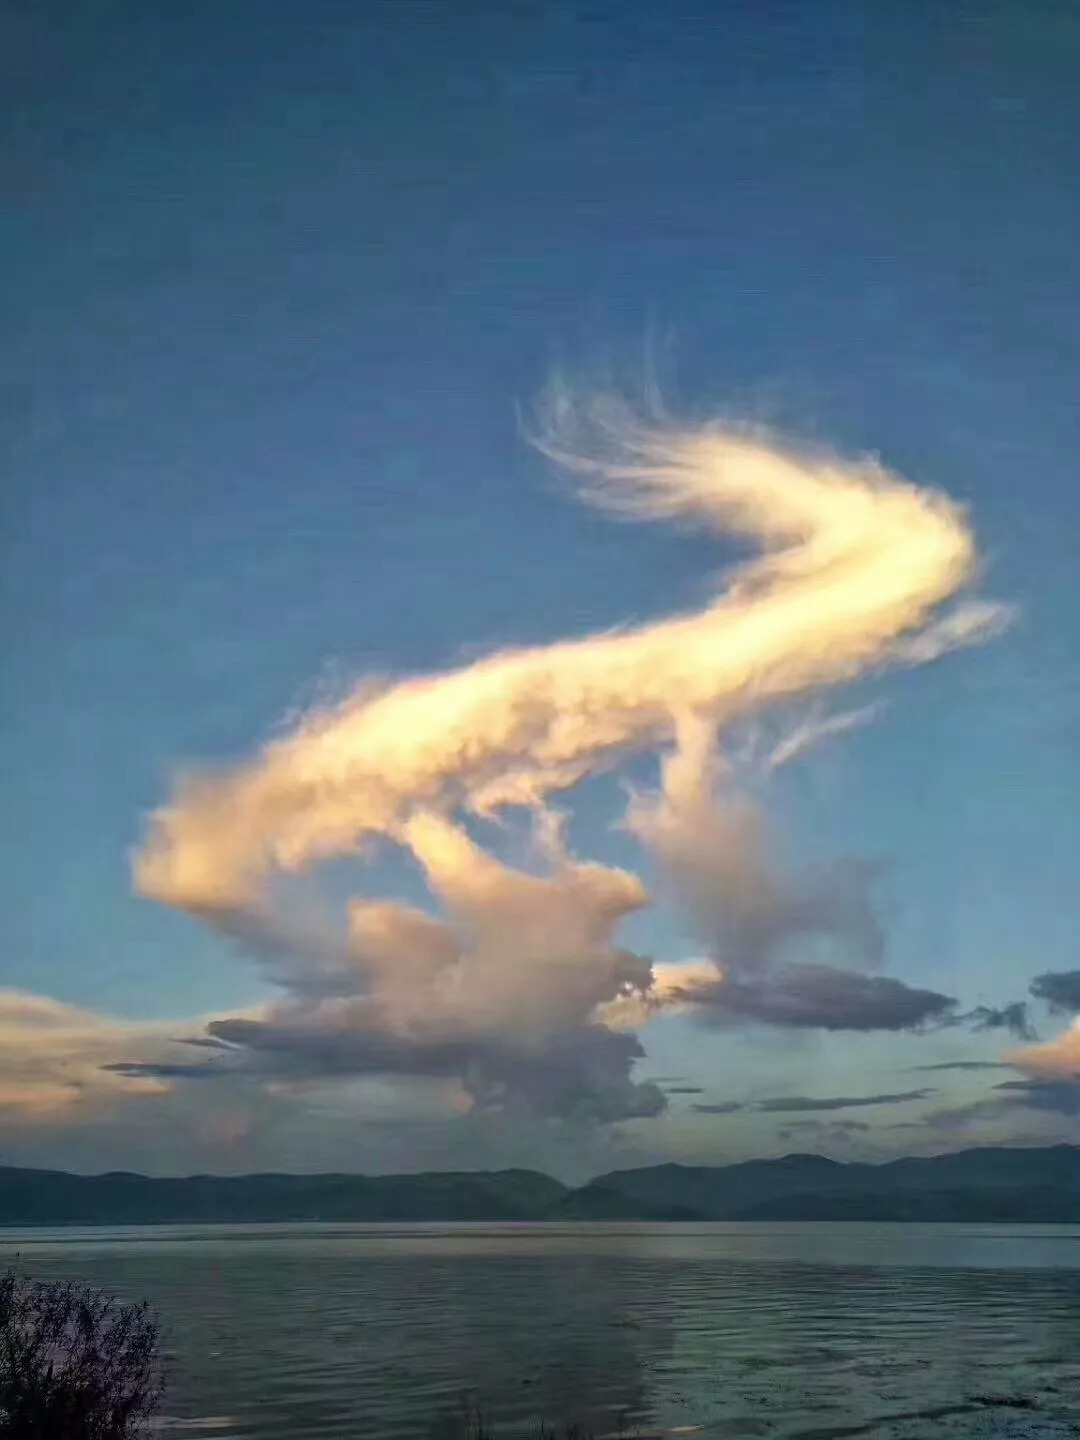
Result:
[[1060, 1096], [161, 1070], [56, 1058], [1013, 1017], [824, 1131], [784, 1103], [958, 1065]]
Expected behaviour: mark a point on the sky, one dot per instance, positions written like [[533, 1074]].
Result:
[[290, 292]]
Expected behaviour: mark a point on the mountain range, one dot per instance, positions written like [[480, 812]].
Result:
[[984, 1184]]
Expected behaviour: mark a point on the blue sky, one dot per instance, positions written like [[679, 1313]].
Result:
[[279, 275]]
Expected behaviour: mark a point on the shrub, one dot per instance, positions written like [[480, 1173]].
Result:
[[75, 1364]]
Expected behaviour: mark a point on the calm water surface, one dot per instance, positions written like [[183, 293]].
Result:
[[811, 1331]]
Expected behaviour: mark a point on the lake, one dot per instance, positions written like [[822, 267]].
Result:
[[723, 1330]]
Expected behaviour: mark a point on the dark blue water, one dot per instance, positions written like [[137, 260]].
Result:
[[807, 1331]]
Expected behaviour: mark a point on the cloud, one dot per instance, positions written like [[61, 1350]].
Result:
[[720, 1107], [1013, 1017], [1060, 1096], [826, 1127], [959, 1065], [159, 1070], [757, 917], [854, 561], [970, 1114], [823, 1133], [1054, 1059], [518, 990], [785, 1103], [821, 997], [1059, 990], [714, 850], [57, 1058], [671, 992], [1039, 1109], [86, 1091], [571, 1074], [815, 728], [500, 993]]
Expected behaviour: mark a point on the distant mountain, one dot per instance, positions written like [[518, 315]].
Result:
[[990, 1184], [721, 1192], [987, 1184], [598, 1201], [52, 1197]]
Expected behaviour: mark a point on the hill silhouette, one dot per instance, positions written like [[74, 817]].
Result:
[[984, 1184]]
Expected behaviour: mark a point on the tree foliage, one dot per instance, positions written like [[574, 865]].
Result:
[[75, 1363]]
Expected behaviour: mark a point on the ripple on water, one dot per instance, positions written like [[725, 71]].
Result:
[[798, 1333]]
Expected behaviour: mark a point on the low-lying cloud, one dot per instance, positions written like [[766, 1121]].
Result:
[[823, 1132], [55, 1057], [1061, 1097]]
